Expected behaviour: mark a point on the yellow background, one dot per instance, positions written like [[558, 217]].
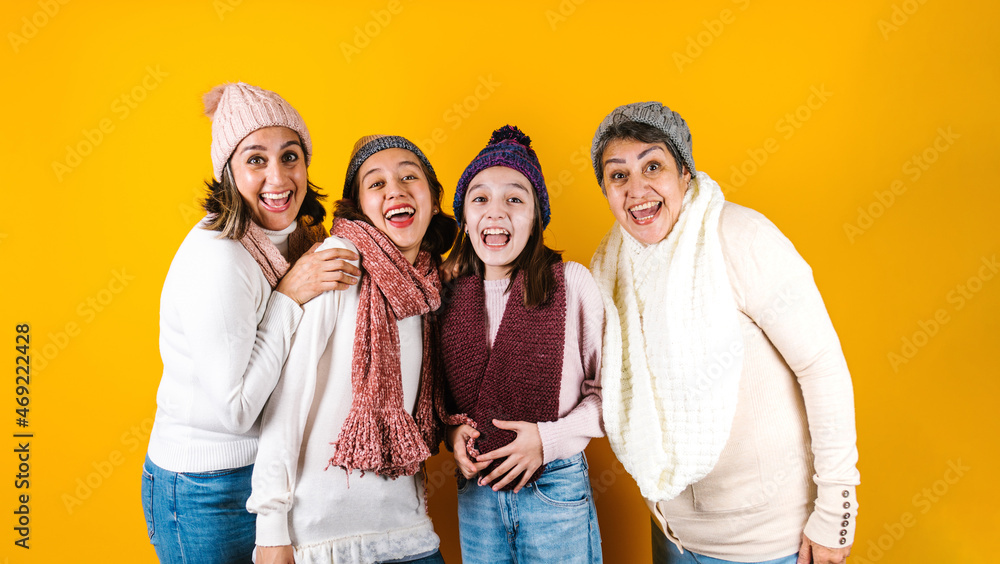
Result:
[[893, 74]]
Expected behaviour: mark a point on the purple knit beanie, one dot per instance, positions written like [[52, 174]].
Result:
[[511, 148]]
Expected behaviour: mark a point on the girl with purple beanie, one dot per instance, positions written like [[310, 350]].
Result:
[[521, 345]]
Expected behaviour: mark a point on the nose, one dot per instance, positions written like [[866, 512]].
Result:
[[276, 173], [496, 209], [394, 189], [636, 186]]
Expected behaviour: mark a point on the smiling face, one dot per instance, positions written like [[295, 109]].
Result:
[[269, 168], [396, 197], [644, 188], [499, 214]]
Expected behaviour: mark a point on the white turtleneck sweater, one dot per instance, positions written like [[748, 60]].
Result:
[[224, 336]]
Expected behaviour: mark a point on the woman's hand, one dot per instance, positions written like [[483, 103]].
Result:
[[276, 554], [524, 455], [810, 553], [458, 437], [317, 272]]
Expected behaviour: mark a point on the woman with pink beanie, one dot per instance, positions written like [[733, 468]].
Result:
[[231, 301]]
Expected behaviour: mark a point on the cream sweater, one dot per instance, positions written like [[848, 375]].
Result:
[[790, 461], [326, 514], [223, 338]]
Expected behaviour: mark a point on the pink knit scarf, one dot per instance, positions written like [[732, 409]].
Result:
[[520, 378], [268, 257], [378, 434]]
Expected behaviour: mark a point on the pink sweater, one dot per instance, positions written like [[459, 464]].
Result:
[[580, 391]]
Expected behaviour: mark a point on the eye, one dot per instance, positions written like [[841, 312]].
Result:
[[515, 200], [255, 160], [290, 157], [479, 199], [409, 177], [617, 175], [376, 185], [653, 166]]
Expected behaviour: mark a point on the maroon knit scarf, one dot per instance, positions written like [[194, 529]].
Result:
[[272, 264], [378, 434], [519, 379]]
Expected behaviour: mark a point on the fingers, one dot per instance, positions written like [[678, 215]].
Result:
[[499, 472], [508, 425], [805, 551]]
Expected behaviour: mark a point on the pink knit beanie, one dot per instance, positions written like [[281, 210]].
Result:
[[239, 109]]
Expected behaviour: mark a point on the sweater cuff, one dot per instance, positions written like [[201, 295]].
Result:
[[560, 440], [281, 313], [834, 518], [272, 529]]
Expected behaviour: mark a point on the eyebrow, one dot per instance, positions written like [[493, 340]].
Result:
[[378, 169], [641, 155], [263, 148], [514, 184], [649, 150]]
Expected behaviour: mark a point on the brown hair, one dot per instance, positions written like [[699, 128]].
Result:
[[232, 215], [440, 233], [535, 260]]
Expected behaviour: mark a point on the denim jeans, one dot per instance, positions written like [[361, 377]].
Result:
[[665, 552], [198, 517], [434, 558], [551, 520]]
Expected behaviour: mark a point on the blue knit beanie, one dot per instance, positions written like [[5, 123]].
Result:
[[508, 147]]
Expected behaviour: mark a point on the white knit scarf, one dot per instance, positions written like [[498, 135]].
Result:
[[673, 351]]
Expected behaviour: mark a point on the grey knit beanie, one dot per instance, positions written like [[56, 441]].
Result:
[[651, 113], [371, 144]]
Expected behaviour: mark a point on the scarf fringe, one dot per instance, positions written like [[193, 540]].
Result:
[[384, 438]]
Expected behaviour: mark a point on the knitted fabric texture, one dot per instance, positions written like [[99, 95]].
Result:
[[378, 434], [651, 113], [268, 257], [239, 109], [673, 351], [371, 144], [520, 378], [511, 148]]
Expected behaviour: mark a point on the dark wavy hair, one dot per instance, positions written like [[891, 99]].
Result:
[[441, 231], [536, 260], [233, 215]]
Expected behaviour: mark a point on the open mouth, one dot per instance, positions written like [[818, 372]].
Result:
[[495, 237], [645, 213], [400, 216], [276, 201]]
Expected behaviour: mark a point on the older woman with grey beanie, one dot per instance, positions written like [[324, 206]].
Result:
[[726, 394]]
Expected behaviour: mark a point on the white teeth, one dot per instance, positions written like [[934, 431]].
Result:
[[276, 195], [398, 211], [644, 206], [495, 231]]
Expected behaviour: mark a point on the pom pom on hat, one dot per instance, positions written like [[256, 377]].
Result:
[[509, 147], [238, 109], [211, 100], [512, 133]]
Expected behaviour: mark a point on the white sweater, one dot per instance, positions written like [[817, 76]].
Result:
[[325, 514], [223, 338], [791, 459]]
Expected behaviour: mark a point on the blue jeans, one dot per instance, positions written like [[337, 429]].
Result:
[[199, 517], [551, 520], [665, 552], [434, 558]]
